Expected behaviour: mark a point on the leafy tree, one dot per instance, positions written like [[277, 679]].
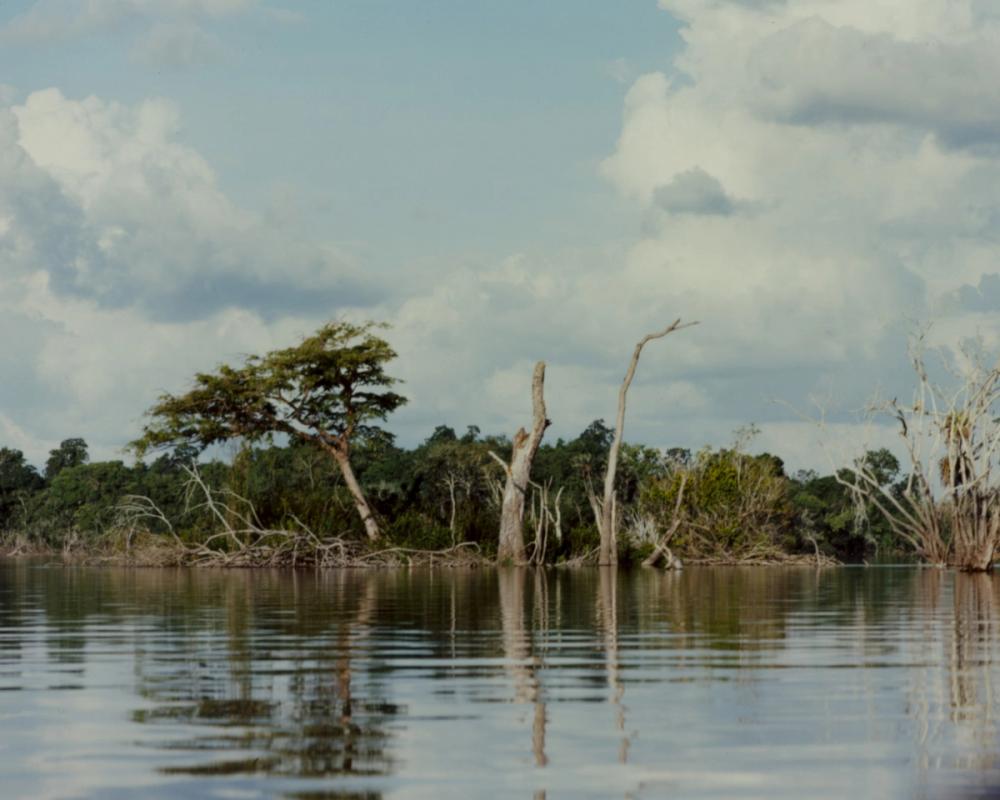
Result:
[[84, 497], [734, 505], [70, 453], [18, 480], [827, 510], [329, 390]]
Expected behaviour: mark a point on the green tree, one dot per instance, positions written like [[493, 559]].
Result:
[[734, 505], [18, 480], [84, 498], [70, 453], [329, 390]]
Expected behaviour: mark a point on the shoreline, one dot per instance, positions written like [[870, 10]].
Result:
[[460, 557]]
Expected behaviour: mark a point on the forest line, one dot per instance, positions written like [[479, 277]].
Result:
[[318, 480]]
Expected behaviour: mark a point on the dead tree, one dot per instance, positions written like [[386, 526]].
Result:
[[948, 509], [605, 508], [511, 546], [544, 516]]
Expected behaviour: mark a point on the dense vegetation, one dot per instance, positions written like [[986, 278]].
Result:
[[447, 490], [315, 478]]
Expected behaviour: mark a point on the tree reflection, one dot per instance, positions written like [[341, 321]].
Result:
[[303, 674], [954, 699], [607, 624], [289, 701], [521, 663]]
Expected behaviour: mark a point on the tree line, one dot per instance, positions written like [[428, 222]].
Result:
[[317, 478], [449, 489], [311, 454]]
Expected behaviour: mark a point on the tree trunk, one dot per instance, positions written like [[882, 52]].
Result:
[[360, 502], [607, 519], [511, 546]]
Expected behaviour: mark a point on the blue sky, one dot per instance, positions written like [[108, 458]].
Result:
[[473, 127], [184, 181]]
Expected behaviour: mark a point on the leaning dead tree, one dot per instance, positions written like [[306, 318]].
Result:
[[511, 547], [605, 507], [948, 508]]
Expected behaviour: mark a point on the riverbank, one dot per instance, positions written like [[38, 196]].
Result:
[[279, 549]]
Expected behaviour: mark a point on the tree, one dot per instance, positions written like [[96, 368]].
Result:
[[605, 507], [725, 504], [948, 507], [329, 390], [70, 453], [18, 479], [525, 445]]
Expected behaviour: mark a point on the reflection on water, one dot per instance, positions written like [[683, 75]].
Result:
[[874, 682]]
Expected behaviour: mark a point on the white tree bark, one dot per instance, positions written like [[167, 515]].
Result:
[[360, 501], [511, 546], [605, 510]]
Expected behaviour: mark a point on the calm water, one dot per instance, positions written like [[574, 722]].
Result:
[[881, 682]]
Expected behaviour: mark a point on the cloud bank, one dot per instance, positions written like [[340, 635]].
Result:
[[807, 181], [124, 268]]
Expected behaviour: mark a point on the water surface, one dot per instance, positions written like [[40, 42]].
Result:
[[734, 683]]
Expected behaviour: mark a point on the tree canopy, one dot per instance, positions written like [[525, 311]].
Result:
[[330, 389]]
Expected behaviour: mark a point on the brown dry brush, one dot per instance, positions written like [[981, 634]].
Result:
[[948, 508], [241, 540]]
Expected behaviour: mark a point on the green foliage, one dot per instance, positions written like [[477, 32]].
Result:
[[582, 539], [733, 505], [417, 531], [70, 453], [329, 390], [83, 498], [827, 510], [446, 490], [18, 481]]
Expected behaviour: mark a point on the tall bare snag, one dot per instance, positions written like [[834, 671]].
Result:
[[605, 508], [511, 547]]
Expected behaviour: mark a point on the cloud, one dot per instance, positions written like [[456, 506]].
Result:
[[171, 34], [821, 175], [813, 72], [54, 20], [694, 191], [174, 44], [984, 297], [128, 216], [124, 269]]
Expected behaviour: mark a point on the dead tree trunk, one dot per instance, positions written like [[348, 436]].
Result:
[[511, 547], [605, 510]]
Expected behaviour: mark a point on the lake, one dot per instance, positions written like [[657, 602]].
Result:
[[878, 682]]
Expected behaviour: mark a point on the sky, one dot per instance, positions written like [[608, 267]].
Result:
[[183, 182]]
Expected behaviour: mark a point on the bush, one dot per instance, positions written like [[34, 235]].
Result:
[[411, 529]]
